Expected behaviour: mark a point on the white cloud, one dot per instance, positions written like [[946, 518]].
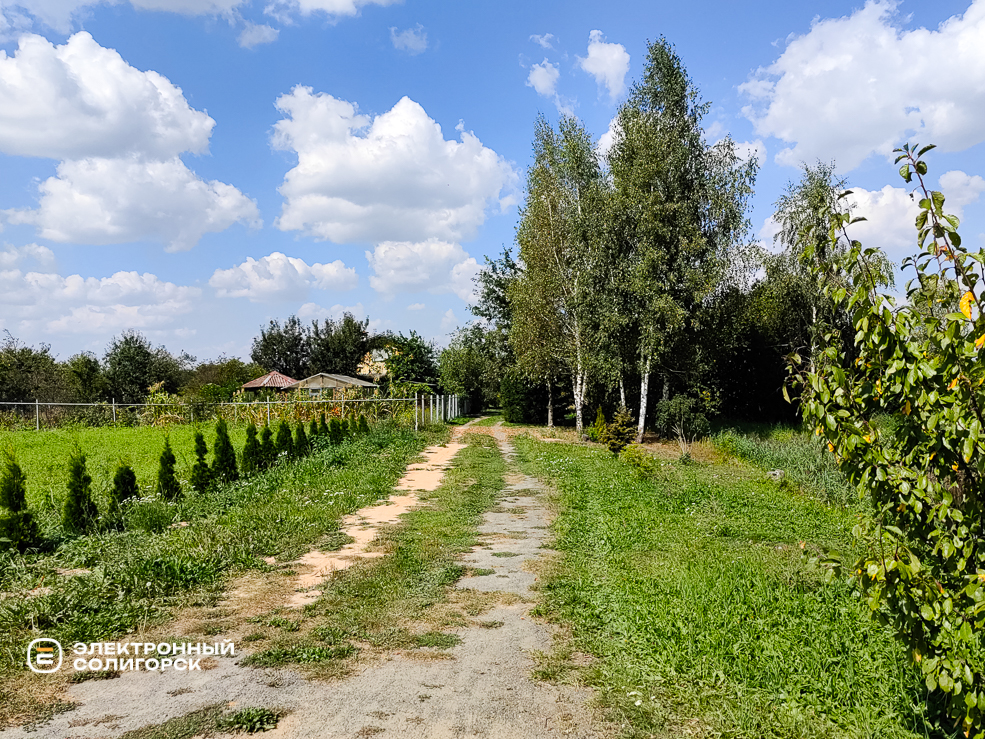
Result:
[[61, 14], [118, 132], [254, 35], [310, 311], [449, 321], [607, 139], [608, 63], [543, 78], [544, 40], [280, 277], [392, 177], [49, 302], [746, 150], [416, 306], [859, 85], [81, 100], [411, 40], [13, 256], [432, 265], [333, 8], [114, 201]]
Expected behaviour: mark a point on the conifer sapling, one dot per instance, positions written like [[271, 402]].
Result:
[[79, 514], [301, 446], [268, 452], [252, 461], [168, 487], [224, 465], [201, 474], [285, 441], [18, 528]]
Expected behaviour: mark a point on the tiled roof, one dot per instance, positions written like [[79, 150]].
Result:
[[271, 379]]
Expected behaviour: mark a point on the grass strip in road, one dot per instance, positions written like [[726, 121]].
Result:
[[403, 599], [689, 588]]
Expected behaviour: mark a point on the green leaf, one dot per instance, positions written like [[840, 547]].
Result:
[[904, 172], [925, 149], [921, 168]]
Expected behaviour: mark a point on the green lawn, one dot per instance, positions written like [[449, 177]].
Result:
[[690, 589]]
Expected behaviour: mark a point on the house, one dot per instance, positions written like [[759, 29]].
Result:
[[270, 381], [318, 384]]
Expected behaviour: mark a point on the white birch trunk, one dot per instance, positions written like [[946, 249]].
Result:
[[644, 391], [550, 404], [622, 391]]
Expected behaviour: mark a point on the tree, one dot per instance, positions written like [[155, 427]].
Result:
[[472, 366], [337, 347], [285, 441], [901, 408], [18, 529], [168, 487], [224, 464], [286, 349], [27, 374], [201, 474], [679, 207], [124, 489], [85, 378], [252, 457], [410, 359], [133, 365], [79, 514], [217, 380], [559, 240]]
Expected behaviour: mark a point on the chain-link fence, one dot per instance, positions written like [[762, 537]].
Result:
[[416, 411]]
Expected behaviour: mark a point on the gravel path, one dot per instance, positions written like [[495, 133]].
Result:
[[483, 690]]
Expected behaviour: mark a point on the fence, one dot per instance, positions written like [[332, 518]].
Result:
[[419, 410]]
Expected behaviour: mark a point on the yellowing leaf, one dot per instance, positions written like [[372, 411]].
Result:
[[967, 300], [906, 408], [980, 342], [954, 384]]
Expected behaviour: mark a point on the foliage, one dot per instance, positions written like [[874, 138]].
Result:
[[681, 416], [250, 720], [18, 529], [620, 432], [124, 490], [596, 432], [224, 456], [301, 444], [252, 461], [201, 476], [27, 374], [285, 441], [337, 347], [286, 349], [132, 365], [472, 365], [335, 434], [79, 513], [216, 381], [314, 430], [84, 376], [268, 450], [168, 487], [362, 426], [410, 359], [323, 427], [923, 561]]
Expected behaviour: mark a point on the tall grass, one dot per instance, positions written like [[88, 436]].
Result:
[[800, 455], [688, 586]]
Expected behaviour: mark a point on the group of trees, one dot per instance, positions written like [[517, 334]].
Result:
[[634, 268]]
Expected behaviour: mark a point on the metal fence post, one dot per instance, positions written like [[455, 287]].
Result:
[[114, 410], [37, 415], [268, 411], [415, 411]]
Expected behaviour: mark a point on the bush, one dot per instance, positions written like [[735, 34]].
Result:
[[363, 426], [596, 432], [18, 528], [285, 441], [314, 429], [335, 432], [201, 474], [680, 416], [638, 457], [79, 515], [268, 452], [323, 431], [621, 431], [513, 398], [252, 456], [301, 445], [347, 428], [124, 489], [224, 464], [168, 487]]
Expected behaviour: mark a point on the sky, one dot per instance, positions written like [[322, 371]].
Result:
[[193, 169]]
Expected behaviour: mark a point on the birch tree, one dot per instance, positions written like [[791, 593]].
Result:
[[679, 206], [558, 249]]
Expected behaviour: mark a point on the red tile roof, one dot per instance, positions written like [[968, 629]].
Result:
[[271, 379]]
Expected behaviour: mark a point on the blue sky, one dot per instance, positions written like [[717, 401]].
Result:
[[193, 168]]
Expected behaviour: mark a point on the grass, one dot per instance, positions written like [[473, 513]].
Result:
[[43, 455], [210, 721], [492, 418], [104, 585], [689, 588], [403, 600]]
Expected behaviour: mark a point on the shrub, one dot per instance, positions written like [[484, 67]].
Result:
[[168, 487], [363, 425], [301, 446], [201, 474], [514, 398], [347, 428], [18, 528], [224, 464], [596, 432], [681, 416], [268, 452], [285, 441], [124, 489], [636, 456], [79, 514], [324, 426], [252, 457], [620, 432], [334, 432], [314, 429]]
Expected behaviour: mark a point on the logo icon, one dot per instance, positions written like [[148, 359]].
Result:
[[44, 655]]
